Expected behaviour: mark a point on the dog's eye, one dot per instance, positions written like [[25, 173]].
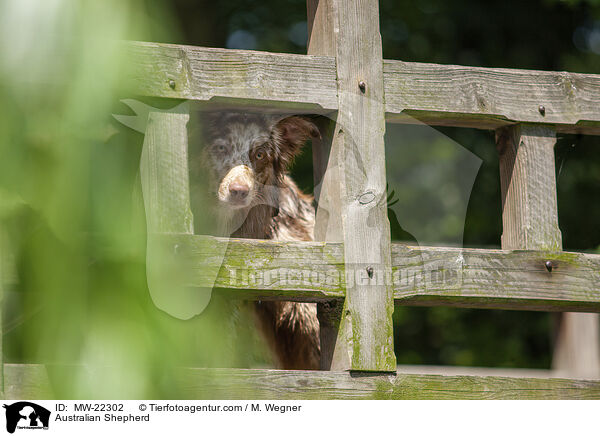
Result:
[[259, 155], [220, 147]]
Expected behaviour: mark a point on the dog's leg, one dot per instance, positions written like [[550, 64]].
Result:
[[292, 331]]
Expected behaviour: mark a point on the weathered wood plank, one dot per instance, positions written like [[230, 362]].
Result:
[[576, 349], [355, 181], [322, 41], [478, 371], [461, 277], [247, 268], [528, 182], [499, 279], [164, 172], [165, 187], [304, 385], [240, 76], [5, 268], [530, 221], [31, 381], [488, 98], [321, 27], [485, 98], [27, 381]]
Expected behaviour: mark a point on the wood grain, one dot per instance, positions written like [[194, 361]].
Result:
[[426, 276], [31, 381], [6, 265], [321, 28], [489, 98], [528, 185], [462, 96], [310, 271], [530, 221], [164, 172], [577, 345], [499, 279], [322, 40], [165, 187], [304, 385], [240, 77], [355, 182]]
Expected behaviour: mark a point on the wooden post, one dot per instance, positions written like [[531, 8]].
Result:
[[4, 273], [576, 350], [353, 191], [528, 182], [321, 42], [164, 172], [530, 222], [165, 187]]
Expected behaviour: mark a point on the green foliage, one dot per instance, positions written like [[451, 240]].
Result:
[[450, 336], [67, 177]]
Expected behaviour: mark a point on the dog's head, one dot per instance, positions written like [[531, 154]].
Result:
[[245, 153]]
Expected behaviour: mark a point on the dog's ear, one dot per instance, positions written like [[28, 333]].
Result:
[[290, 134]]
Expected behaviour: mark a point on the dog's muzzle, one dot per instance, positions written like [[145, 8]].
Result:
[[237, 187]]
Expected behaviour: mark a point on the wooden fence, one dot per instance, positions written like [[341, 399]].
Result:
[[345, 77]]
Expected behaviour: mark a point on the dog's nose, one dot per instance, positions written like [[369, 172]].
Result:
[[237, 191]]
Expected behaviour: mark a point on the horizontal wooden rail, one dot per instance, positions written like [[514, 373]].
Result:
[[488, 98], [500, 279], [426, 276], [253, 269], [35, 382], [450, 95], [284, 81], [297, 385]]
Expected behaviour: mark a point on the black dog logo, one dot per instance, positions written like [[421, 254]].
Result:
[[24, 414]]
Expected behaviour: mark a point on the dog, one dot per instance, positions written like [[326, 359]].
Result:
[[246, 158]]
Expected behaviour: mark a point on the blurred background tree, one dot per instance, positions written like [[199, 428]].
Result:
[[67, 172]]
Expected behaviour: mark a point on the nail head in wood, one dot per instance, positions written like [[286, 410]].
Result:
[[172, 84], [370, 272], [542, 110], [549, 266], [362, 86]]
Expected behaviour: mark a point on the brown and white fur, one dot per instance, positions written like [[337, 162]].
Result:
[[247, 157]]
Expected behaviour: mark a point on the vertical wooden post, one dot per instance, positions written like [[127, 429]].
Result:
[[328, 313], [530, 222], [165, 187], [576, 350], [4, 266], [528, 182], [164, 171], [354, 184], [322, 42]]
